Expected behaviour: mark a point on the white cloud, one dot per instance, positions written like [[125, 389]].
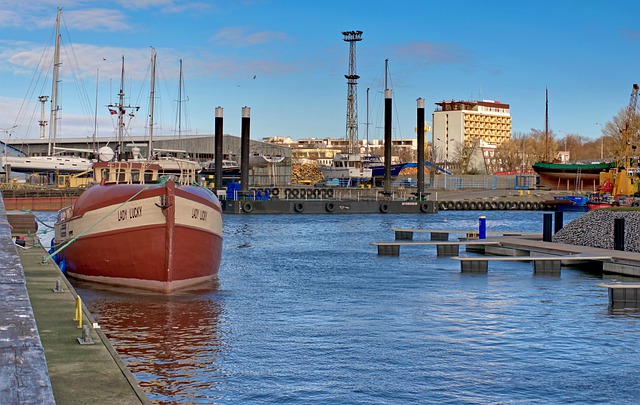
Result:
[[238, 37]]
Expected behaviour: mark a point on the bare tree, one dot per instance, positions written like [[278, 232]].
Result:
[[623, 130], [509, 154], [463, 153]]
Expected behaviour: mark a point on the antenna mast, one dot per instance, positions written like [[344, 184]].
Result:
[[352, 94]]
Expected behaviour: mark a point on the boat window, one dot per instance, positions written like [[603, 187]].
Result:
[[122, 175], [104, 174], [135, 176], [148, 176]]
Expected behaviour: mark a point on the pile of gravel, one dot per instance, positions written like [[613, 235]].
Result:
[[595, 229]]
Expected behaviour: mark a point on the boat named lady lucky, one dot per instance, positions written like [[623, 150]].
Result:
[[139, 229], [145, 224]]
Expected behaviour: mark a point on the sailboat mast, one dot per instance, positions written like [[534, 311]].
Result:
[[151, 102], [546, 126], [53, 119], [180, 104], [95, 115], [367, 124]]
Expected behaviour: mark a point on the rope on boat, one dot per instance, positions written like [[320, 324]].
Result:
[[46, 258]]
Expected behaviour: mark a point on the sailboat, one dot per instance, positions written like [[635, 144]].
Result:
[[137, 226], [52, 162]]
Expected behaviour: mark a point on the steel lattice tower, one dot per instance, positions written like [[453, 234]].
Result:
[[352, 94]]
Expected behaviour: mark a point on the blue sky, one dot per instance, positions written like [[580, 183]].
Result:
[[287, 60]]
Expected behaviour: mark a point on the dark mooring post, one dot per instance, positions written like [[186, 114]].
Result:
[[546, 227], [218, 148], [558, 222], [387, 141], [244, 150], [618, 234], [420, 129]]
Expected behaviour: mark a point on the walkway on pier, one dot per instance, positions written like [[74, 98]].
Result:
[[41, 358]]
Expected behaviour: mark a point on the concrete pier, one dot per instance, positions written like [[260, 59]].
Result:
[[24, 378], [41, 358]]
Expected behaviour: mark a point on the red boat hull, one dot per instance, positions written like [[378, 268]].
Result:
[[595, 206], [165, 238]]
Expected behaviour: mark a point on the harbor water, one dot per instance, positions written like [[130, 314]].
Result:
[[305, 311]]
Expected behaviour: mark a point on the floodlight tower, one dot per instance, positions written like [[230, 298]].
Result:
[[42, 122], [352, 94]]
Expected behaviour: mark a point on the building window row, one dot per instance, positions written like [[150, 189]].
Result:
[[486, 125], [486, 118]]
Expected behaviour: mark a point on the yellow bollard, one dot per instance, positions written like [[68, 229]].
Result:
[[520, 192], [78, 315], [528, 192]]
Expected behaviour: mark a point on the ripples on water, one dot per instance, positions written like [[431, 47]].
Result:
[[307, 312]]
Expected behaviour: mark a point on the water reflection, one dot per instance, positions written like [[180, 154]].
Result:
[[171, 343]]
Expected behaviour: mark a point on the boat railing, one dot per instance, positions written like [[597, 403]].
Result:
[[188, 171]]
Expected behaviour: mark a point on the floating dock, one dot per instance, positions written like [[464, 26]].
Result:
[[547, 258], [341, 200], [327, 207]]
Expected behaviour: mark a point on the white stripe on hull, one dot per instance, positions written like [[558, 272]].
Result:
[[141, 213]]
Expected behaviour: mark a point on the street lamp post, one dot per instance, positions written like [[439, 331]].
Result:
[[446, 156]]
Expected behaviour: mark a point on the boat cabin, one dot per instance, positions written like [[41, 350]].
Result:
[[138, 172], [348, 161]]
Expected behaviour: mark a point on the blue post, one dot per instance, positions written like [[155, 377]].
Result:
[[482, 228]]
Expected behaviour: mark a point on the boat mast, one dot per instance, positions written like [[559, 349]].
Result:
[[546, 125], [53, 119], [120, 153], [95, 115], [121, 112], [180, 105], [367, 124], [151, 102]]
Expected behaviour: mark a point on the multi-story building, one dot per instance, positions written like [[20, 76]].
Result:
[[322, 150], [469, 125]]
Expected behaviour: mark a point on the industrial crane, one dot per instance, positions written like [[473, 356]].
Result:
[[628, 127], [623, 184]]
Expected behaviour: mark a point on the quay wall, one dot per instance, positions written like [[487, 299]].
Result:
[[24, 377]]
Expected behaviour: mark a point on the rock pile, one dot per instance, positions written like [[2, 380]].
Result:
[[595, 229]]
